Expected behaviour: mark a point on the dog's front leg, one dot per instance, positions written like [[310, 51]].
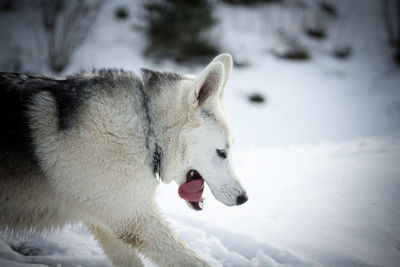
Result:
[[155, 239], [121, 254]]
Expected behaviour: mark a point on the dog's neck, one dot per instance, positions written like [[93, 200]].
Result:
[[166, 115], [152, 142]]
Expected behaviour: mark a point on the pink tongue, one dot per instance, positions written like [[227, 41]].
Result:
[[192, 190]]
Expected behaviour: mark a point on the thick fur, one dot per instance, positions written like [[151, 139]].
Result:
[[82, 149]]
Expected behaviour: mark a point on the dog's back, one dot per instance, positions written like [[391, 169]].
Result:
[[28, 201], [16, 95], [16, 147], [41, 109]]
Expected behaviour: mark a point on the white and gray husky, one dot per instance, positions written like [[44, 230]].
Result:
[[92, 148]]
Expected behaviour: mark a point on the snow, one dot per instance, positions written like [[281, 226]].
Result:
[[328, 203], [319, 159]]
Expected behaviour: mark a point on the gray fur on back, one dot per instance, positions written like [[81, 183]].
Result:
[[18, 90]]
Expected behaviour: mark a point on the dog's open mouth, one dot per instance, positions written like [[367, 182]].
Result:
[[192, 190]]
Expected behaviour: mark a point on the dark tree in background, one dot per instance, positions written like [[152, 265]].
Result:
[[66, 24], [248, 2], [178, 30], [392, 22]]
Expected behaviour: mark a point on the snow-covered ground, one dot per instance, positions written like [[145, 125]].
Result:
[[320, 158]]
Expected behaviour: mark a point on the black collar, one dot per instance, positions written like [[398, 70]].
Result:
[[151, 139], [157, 156]]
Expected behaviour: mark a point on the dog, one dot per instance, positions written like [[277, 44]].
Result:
[[92, 148]]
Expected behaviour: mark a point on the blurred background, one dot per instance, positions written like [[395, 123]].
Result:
[[314, 100]]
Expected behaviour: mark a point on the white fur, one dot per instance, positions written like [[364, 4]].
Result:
[[98, 172]]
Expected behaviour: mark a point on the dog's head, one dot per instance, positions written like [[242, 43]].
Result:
[[207, 139]]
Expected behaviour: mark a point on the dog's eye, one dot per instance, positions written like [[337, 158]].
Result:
[[221, 153]]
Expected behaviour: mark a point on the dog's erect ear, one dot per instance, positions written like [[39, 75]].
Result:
[[209, 83], [226, 60]]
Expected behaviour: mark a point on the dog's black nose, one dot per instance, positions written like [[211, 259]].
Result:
[[242, 199]]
